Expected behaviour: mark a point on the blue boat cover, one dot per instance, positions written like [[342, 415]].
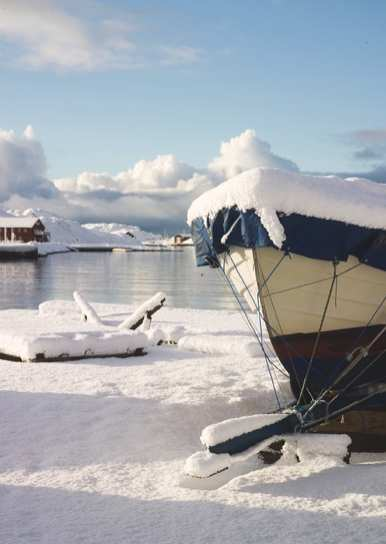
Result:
[[308, 236]]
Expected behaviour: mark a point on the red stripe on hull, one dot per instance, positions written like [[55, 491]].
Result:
[[332, 345], [330, 359]]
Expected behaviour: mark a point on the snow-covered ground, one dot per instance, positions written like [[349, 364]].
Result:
[[92, 451]]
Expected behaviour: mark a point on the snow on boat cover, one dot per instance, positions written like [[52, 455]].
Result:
[[321, 217], [352, 200]]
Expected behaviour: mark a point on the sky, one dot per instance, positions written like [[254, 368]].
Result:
[[127, 110]]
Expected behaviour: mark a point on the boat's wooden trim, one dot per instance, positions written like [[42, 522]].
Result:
[[332, 345], [41, 358], [367, 429], [331, 357]]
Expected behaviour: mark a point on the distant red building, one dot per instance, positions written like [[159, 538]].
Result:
[[22, 229]]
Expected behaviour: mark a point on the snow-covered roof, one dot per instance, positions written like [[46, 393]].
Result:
[[352, 200], [18, 222]]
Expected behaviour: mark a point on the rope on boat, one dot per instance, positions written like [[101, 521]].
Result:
[[320, 398], [260, 314], [357, 376], [260, 271], [272, 272], [317, 339], [307, 284], [290, 347], [260, 341], [252, 298], [228, 233], [363, 351], [368, 323], [381, 388], [262, 317], [335, 277]]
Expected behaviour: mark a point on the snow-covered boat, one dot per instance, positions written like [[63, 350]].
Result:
[[308, 255]]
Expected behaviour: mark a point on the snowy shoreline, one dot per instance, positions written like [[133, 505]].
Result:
[[92, 451], [67, 235], [43, 249]]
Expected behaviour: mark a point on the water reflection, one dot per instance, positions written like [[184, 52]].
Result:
[[113, 277]]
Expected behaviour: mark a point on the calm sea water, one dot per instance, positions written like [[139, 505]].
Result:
[[127, 278]]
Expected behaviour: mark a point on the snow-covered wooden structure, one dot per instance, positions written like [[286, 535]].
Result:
[[23, 229]]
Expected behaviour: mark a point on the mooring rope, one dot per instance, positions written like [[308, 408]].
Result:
[[357, 376], [363, 353], [267, 359], [262, 318], [317, 339], [331, 415], [368, 323], [322, 280], [291, 349]]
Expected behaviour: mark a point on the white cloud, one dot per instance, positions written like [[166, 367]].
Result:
[[50, 36], [45, 34], [244, 152], [164, 172], [153, 193], [23, 166], [86, 182]]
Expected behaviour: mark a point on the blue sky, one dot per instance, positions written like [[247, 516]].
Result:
[[301, 73], [108, 84]]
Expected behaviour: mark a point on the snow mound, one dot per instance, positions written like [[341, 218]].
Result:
[[220, 344], [29, 336], [268, 191], [330, 445], [203, 463]]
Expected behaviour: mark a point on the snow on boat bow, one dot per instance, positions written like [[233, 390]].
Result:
[[308, 254]]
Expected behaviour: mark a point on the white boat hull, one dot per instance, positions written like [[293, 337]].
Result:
[[312, 316], [294, 290]]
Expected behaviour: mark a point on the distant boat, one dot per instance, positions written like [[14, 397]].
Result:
[[179, 240]]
